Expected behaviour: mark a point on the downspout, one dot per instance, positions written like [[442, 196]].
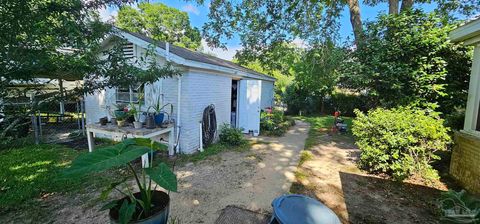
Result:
[[179, 99]]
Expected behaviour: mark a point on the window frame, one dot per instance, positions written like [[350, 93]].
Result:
[[472, 112], [131, 93]]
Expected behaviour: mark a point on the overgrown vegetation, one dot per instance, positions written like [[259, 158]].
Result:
[[274, 123], [425, 69], [400, 142]]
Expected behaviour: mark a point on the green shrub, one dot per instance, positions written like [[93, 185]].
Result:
[[400, 142], [275, 123], [231, 136], [455, 119]]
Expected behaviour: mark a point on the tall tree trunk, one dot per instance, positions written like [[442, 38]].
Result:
[[406, 5], [392, 7], [356, 20]]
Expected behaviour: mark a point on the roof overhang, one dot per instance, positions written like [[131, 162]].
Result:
[[189, 63], [468, 33]]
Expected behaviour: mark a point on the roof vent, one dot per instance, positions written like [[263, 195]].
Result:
[[128, 50]]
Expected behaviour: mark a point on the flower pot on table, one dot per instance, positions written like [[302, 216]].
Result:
[[159, 118]]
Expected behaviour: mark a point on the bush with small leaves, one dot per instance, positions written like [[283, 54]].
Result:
[[400, 142], [231, 136], [274, 123]]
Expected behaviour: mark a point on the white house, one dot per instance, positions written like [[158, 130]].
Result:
[[465, 164], [205, 80]]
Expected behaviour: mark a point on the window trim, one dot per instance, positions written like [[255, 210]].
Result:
[[473, 103], [131, 96]]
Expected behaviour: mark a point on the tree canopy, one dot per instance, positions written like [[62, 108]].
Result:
[[408, 59], [160, 22]]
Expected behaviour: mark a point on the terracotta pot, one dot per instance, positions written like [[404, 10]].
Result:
[[159, 213]]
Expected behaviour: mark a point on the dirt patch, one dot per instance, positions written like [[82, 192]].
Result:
[[332, 177], [248, 180]]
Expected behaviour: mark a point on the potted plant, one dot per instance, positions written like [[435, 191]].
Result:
[[121, 110], [121, 119], [160, 114], [135, 112], [148, 205], [103, 121]]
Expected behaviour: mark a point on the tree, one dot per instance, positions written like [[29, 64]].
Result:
[[160, 22], [318, 72], [60, 40], [260, 23], [407, 59]]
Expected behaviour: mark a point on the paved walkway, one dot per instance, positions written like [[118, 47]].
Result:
[[250, 179]]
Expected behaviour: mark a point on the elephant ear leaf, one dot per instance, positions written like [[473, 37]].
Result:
[[163, 176], [105, 158]]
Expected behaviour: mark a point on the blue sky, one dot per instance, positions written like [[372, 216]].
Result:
[[198, 16]]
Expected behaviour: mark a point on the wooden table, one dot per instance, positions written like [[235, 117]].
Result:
[[130, 132]]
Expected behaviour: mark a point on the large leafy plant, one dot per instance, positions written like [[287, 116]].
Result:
[[121, 155], [459, 207]]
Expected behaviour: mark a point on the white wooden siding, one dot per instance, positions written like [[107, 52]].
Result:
[[198, 91]]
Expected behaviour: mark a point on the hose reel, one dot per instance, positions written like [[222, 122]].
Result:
[[209, 125]]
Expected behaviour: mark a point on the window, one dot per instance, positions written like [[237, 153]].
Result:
[[130, 95]]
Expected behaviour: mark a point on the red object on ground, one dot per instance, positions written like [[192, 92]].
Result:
[[336, 114], [268, 110]]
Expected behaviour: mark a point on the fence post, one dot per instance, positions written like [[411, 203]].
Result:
[[82, 111], [35, 128], [79, 125], [34, 122]]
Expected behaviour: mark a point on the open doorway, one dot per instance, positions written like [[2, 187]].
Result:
[[234, 104]]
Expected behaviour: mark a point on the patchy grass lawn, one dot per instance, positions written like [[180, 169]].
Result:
[[328, 172], [320, 125], [34, 171]]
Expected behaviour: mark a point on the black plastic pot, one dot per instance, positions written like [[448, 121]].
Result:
[[103, 120], [130, 119], [160, 209]]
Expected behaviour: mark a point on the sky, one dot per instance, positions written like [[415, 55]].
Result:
[[198, 16]]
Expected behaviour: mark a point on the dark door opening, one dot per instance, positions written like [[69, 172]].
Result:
[[234, 104]]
